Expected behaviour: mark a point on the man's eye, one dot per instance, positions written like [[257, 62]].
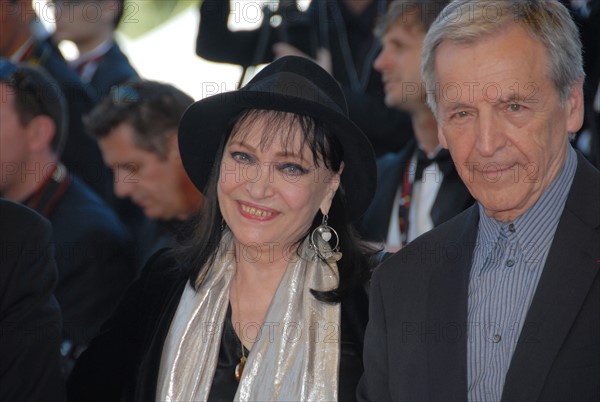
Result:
[[129, 167], [514, 107], [397, 45], [462, 114]]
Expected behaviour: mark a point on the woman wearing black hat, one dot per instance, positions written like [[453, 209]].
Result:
[[261, 305]]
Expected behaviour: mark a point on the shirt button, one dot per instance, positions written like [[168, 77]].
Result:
[[510, 263], [496, 338], [511, 228]]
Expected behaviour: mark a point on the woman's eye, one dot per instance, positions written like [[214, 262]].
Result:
[[292, 169], [241, 157]]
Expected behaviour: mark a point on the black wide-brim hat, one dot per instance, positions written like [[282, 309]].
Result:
[[289, 84]]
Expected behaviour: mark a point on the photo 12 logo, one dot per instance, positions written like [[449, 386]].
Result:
[[73, 10]]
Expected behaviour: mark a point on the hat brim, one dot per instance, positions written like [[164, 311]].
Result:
[[206, 122]]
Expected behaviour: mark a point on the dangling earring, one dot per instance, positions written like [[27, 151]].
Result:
[[223, 224], [325, 233]]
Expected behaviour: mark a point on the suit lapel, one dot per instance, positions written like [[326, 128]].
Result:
[[389, 182], [452, 198], [375, 222], [570, 269], [104, 72], [447, 316]]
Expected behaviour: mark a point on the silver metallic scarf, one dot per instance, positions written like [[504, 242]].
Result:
[[296, 357]]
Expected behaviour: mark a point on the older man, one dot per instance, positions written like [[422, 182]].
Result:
[[503, 301]]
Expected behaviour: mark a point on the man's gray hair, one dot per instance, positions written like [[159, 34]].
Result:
[[468, 21]]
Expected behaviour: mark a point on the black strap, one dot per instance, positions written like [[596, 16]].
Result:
[[50, 192]]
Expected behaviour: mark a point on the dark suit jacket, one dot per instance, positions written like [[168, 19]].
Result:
[[94, 259], [113, 69], [126, 356], [29, 314], [453, 196], [416, 341]]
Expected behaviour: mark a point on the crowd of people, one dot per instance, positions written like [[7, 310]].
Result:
[[403, 204]]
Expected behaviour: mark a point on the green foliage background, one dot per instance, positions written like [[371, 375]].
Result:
[[142, 16]]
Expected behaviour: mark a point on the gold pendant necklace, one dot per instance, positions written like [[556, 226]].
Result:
[[239, 368]]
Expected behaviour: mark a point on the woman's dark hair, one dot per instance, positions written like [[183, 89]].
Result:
[[197, 256]]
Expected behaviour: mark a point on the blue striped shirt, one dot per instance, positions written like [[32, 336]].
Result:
[[507, 264]]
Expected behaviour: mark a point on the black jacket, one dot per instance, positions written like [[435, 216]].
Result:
[[30, 321], [416, 341], [113, 69]]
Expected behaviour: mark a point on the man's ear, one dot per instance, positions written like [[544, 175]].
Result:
[[172, 145], [574, 107], [40, 133]]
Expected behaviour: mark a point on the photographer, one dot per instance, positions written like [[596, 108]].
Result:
[[338, 34]]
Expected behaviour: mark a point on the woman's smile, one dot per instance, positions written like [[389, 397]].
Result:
[[255, 212]]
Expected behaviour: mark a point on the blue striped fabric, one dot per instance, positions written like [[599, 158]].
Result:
[[507, 263]]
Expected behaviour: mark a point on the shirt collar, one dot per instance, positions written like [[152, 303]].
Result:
[[534, 230], [93, 54], [433, 154]]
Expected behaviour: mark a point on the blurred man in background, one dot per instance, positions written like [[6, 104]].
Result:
[[22, 39], [136, 129], [93, 250], [418, 187]]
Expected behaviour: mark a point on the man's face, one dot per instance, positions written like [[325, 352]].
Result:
[[501, 118], [156, 185], [399, 64], [14, 146], [13, 25], [82, 21]]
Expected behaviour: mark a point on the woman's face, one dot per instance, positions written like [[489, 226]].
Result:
[[270, 194]]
